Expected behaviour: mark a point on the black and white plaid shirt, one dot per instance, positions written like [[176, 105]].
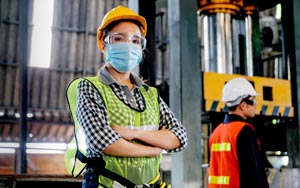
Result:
[[93, 117]]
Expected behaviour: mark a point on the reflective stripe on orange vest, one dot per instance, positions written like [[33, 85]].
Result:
[[225, 146], [219, 180]]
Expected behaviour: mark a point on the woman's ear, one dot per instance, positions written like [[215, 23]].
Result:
[[103, 46]]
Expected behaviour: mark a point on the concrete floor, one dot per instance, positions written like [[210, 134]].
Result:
[[284, 178]]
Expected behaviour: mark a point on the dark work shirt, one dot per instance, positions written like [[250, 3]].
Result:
[[250, 156]]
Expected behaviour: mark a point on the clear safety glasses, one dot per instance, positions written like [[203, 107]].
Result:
[[113, 38]]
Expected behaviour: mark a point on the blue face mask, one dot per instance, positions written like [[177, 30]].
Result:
[[123, 56]]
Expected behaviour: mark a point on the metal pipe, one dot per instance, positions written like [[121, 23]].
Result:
[[221, 56], [228, 42], [217, 42], [249, 56], [205, 43], [22, 156]]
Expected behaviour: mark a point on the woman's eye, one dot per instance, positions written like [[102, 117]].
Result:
[[136, 41], [118, 39]]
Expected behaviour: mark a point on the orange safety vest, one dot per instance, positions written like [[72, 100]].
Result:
[[224, 170]]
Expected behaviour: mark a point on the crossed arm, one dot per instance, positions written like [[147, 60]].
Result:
[[116, 140], [156, 141]]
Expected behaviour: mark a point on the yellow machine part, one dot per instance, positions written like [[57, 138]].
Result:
[[220, 6], [274, 95]]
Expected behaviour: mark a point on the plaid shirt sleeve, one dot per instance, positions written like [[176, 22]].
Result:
[[92, 116], [168, 119]]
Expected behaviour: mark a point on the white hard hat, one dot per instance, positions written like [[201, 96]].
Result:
[[235, 90]]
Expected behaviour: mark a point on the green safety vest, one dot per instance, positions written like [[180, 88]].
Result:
[[136, 169]]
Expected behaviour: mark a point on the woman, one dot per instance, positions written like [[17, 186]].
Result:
[[125, 120]]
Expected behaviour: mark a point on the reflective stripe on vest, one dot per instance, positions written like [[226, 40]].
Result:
[[219, 180], [226, 146]]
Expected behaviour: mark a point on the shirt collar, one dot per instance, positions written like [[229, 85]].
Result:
[[107, 79], [233, 117]]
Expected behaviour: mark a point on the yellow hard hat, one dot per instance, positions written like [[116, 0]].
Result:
[[119, 13]]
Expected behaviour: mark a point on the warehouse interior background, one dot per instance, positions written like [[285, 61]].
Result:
[[193, 48]]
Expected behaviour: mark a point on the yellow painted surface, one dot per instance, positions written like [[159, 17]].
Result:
[[280, 105]]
